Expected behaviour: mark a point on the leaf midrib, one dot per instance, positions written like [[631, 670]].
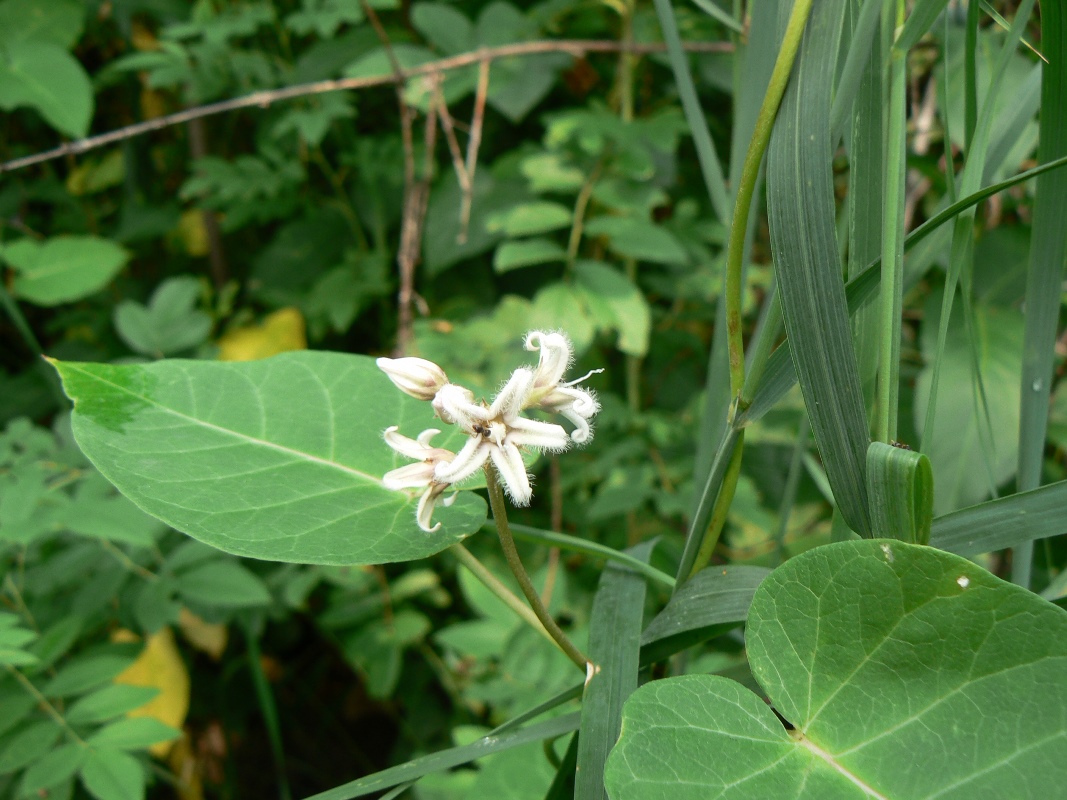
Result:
[[236, 434]]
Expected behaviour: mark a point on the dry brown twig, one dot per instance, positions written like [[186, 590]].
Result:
[[264, 99]]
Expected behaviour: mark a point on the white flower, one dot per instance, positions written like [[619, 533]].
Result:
[[549, 394], [497, 431], [420, 475], [414, 376]]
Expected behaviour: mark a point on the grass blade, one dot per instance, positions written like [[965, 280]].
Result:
[[716, 13], [892, 287], [710, 165], [1048, 254], [1007, 522], [452, 757], [802, 222], [706, 502], [614, 645], [922, 18], [562, 787], [710, 603], [863, 51], [779, 376], [865, 187]]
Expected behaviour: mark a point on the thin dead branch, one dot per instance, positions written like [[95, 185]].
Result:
[[264, 99]]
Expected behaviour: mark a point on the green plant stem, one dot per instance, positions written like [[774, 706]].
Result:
[[507, 544], [761, 135], [493, 584], [893, 237], [581, 203], [128, 563], [46, 706], [626, 114]]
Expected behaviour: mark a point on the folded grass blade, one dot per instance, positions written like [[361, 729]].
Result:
[[801, 211]]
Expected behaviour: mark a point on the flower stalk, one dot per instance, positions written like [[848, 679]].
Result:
[[511, 554]]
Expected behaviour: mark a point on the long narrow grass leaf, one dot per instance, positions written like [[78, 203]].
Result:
[[562, 787], [892, 288], [802, 222], [860, 52], [452, 757], [710, 165], [922, 18], [961, 258], [866, 179], [719, 15], [1048, 255], [706, 502], [614, 645], [712, 601], [780, 375], [1007, 522]]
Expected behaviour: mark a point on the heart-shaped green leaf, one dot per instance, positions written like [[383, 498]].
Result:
[[879, 654], [278, 459]]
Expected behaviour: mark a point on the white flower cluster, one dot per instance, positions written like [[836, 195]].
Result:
[[496, 431]]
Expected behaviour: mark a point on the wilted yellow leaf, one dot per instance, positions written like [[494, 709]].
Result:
[[192, 233], [142, 38], [160, 666], [153, 104], [278, 333], [91, 177], [207, 637]]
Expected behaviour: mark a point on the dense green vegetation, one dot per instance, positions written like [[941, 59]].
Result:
[[832, 564]]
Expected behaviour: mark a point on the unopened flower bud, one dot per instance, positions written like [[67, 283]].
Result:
[[414, 376]]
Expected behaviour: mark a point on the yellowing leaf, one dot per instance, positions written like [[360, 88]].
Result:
[[152, 104], [160, 665], [192, 233], [204, 636], [142, 38], [279, 332], [95, 176]]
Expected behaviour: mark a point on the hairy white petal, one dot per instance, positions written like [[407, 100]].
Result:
[[511, 399], [424, 513], [414, 376], [411, 476], [467, 461], [582, 432], [542, 435], [580, 401], [554, 359], [455, 405], [508, 462], [420, 448]]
